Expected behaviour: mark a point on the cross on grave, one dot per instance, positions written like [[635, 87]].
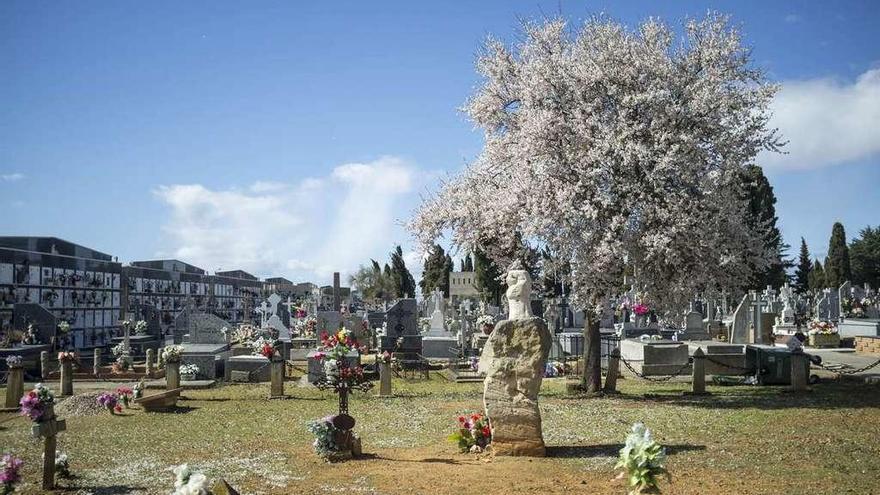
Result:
[[274, 299], [264, 311], [49, 429], [757, 304]]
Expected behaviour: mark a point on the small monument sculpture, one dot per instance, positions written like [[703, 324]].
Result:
[[513, 360]]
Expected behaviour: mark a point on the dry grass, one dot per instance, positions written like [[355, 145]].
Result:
[[739, 440]]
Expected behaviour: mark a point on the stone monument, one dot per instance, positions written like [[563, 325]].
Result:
[[513, 360]]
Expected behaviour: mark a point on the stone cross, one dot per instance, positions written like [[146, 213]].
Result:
[[126, 326], [758, 304], [49, 428], [337, 300], [264, 312]]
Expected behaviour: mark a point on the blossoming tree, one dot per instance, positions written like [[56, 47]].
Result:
[[610, 149]]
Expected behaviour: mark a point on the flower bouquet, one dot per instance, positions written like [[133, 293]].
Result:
[[62, 464], [189, 483], [333, 352], [474, 433], [38, 403], [325, 436], [171, 353], [189, 372], [140, 328], [123, 359], [63, 327], [67, 357], [243, 334], [109, 402], [642, 461], [125, 394], [640, 309], [486, 323], [306, 326], [9, 472], [13, 361], [266, 347], [823, 334]]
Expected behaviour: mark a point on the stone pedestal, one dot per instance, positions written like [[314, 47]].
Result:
[[172, 375], [384, 379], [440, 347], [66, 378], [514, 359], [96, 361], [14, 387]]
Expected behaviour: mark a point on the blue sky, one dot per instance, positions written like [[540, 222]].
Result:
[[292, 138]]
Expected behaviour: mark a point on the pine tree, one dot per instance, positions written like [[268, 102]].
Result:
[[865, 256], [837, 265], [802, 275], [762, 207], [817, 277]]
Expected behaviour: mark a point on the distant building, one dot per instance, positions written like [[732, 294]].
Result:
[[74, 283], [462, 285]]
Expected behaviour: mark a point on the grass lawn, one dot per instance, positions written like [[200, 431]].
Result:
[[740, 440]]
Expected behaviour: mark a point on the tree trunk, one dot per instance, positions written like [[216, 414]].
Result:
[[591, 381]]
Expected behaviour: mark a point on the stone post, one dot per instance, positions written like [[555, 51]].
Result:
[[96, 364], [276, 372], [44, 364], [613, 372], [66, 378], [799, 372], [14, 387], [172, 375], [698, 378], [149, 362], [384, 379]]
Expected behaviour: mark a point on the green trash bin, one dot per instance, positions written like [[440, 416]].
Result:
[[772, 365]]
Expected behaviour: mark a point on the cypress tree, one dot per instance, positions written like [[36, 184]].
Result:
[[762, 206], [865, 256], [486, 278], [435, 274], [802, 275], [837, 265], [817, 277]]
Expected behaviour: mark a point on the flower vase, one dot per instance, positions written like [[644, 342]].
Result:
[[172, 375], [14, 387]]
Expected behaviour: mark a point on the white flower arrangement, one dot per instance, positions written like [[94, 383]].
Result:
[[189, 369], [642, 460], [171, 353], [818, 327], [13, 360], [140, 328], [424, 324], [189, 483], [243, 334], [119, 350]]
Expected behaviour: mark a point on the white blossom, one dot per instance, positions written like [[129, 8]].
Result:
[[614, 149]]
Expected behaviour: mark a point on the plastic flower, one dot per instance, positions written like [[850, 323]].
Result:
[[9, 475]]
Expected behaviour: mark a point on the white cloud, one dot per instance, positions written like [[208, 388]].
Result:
[[11, 177], [826, 122], [305, 230], [793, 18]]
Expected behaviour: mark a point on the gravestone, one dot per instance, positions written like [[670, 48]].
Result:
[[439, 342], [328, 321], [843, 292], [739, 324], [248, 369], [205, 344], [693, 328], [273, 316], [655, 357], [401, 322], [45, 324]]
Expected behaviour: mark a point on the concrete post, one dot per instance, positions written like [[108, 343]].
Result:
[[14, 387], [698, 379], [66, 378], [384, 379], [799, 372], [172, 375], [96, 364], [44, 364], [149, 362], [277, 376]]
